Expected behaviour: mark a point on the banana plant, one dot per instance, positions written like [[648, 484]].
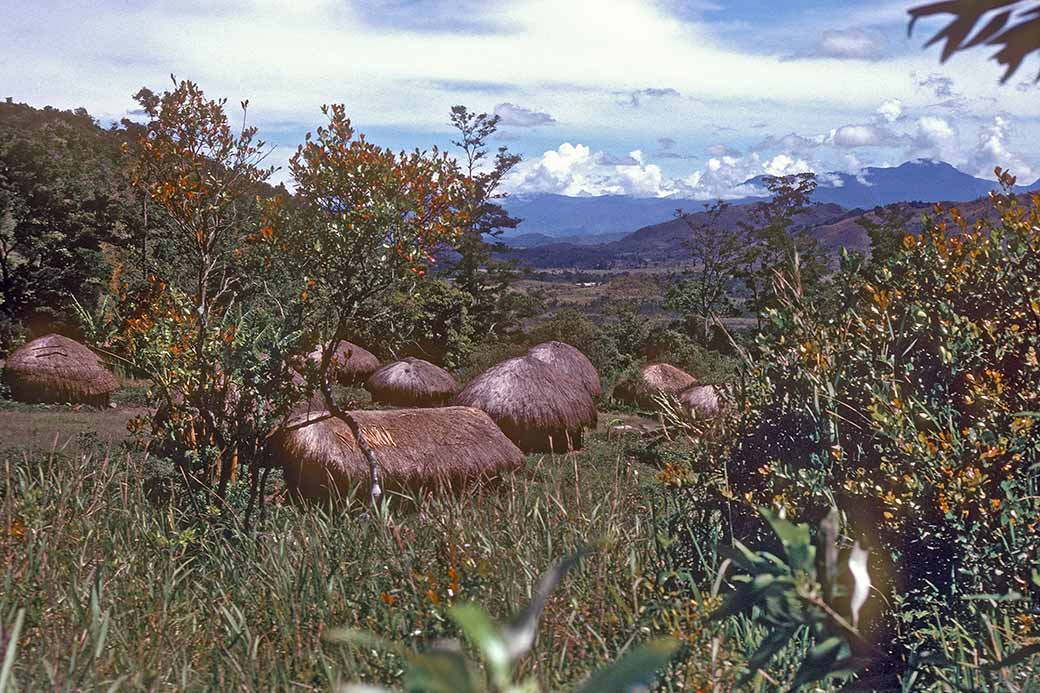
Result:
[[445, 668]]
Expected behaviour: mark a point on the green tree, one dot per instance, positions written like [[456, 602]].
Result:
[[776, 245], [218, 365], [476, 271], [63, 204], [715, 255], [886, 227]]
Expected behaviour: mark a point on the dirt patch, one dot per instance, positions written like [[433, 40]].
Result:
[[47, 429]]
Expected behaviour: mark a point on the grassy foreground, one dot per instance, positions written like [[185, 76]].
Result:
[[122, 589]]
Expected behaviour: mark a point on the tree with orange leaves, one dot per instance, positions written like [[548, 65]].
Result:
[[364, 221]]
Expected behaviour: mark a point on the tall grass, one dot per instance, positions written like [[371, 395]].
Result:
[[121, 587]]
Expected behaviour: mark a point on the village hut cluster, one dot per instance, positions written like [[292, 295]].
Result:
[[653, 381], [439, 435], [444, 436]]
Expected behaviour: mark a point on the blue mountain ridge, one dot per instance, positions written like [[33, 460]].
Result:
[[921, 180]]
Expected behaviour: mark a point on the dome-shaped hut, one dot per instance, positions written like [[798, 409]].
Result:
[[352, 365], [701, 401], [652, 380], [539, 407], [419, 450], [412, 382], [571, 361], [58, 369]]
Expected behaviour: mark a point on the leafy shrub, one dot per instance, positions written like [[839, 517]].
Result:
[[911, 401]]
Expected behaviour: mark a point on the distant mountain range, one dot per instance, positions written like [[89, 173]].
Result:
[[661, 245], [550, 219]]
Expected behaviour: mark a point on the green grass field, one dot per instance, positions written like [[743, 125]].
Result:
[[123, 589]]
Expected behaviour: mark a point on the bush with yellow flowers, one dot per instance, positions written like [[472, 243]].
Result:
[[910, 398]]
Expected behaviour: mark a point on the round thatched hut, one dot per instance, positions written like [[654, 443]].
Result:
[[419, 450], [352, 365], [652, 380], [58, 369], [701, 401], [412, 382], [571, 361], [539, 407]]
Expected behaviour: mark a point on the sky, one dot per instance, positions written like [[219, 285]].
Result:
[[648, 98]]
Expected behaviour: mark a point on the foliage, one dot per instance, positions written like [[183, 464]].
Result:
[[88, 539], [775, 243], [801, 591], [910, 401], [1011, 25], [886, 230], [218, 367], [715, 253], [432, 320], [63, 201], [446, 669], [485, 279]]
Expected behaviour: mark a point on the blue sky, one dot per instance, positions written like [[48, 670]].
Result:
[[639, 97]]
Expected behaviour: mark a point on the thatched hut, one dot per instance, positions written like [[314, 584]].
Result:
[[539, 407], [570, 360], [352, 365], [58, 369], [412, 382], [419, 450], [700, 401], [652, 380]]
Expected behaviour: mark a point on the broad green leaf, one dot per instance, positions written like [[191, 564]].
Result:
[[6, 677], [819, 662], [637, 668], [360, 638], [770, 645], [484, 634], [440, 672], [801, 554]]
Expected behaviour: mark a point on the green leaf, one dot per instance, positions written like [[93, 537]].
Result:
[[12, 647], [801, 554], [360, 638], [770, 645], [637, 668], [485, 636], [819, 662], [440, 672]]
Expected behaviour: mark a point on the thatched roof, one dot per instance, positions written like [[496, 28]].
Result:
[[571, 361], [539, 407], [352, 364], [418, 450], [701, 401], [58, 369], [653, 379], [412, 382]]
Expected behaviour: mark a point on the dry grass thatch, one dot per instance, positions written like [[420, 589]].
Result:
[[412, 382], [701, 401], [571, 361], [653, 379], [352, 364], [418, 449], [58, 369], [540, 408]]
